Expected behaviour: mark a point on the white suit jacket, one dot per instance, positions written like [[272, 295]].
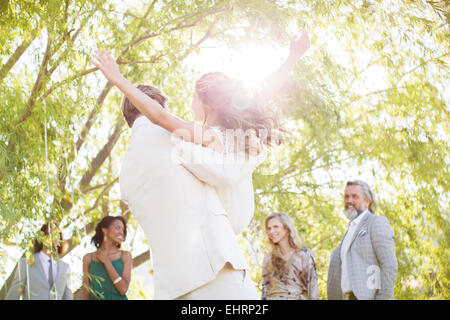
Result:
[[190, 234]]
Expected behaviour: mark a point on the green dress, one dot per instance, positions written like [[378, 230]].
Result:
[[101, 285]]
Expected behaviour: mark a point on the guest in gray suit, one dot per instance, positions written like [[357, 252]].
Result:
[[364, 265], [41, 277]]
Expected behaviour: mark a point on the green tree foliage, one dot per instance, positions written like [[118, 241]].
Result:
[[369, 100]]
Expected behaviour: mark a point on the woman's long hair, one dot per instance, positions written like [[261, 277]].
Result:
[[277, 263], [236, 109], [98, 237]]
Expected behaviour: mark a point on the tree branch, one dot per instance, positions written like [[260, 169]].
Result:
[[103, 95], [440, 11], [418, 66], [17, 54], [90, 121], [88, 71], [140, 259], [104, 191], [72, 40], [395, 86], [38, 83], [101, 156], [179, 26]]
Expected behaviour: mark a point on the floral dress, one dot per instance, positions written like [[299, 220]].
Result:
[[299, 282]]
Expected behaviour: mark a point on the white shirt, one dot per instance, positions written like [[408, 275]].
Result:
[[352, 227], [46, 264]]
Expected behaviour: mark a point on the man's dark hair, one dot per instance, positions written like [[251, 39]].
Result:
[[98, 237], [130, 112], [38, 245]]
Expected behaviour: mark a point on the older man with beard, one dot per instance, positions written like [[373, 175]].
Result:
[[364, 265]]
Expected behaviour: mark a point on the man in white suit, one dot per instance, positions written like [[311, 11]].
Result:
[[189, 220], [195, 252], [364, 265]]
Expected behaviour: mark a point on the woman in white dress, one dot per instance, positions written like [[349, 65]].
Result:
[[221, 106], [219, 102]]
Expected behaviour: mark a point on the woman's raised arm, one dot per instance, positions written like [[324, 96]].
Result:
[[299, 45], [151, 109]]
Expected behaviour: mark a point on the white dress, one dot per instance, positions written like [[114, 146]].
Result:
[[234, 185]]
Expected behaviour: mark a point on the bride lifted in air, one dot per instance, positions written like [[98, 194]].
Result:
[[191, 209]]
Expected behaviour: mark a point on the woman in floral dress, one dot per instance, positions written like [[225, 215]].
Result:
[[289, 271]]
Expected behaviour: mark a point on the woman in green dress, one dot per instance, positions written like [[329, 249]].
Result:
[[107, 271]]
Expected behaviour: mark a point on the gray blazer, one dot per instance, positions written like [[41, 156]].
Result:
[[33, 285], [371, 261]]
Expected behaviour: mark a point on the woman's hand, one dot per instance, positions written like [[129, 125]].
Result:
[[299, 45], [102, 256], [107, 65]]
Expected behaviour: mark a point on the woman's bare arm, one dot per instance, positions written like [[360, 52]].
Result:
[[86, 283], [151, 109]]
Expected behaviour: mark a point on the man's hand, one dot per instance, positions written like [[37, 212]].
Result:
[[107, 65], [299, 45]]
